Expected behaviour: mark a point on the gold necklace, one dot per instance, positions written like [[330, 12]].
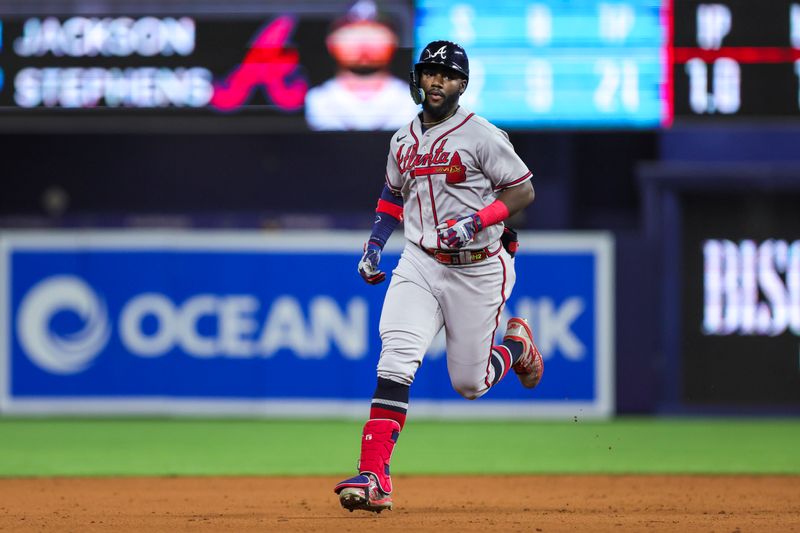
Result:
[[438, 121]]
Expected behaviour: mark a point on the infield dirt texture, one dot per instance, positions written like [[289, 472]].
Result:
[[450, 503], [256, 475]]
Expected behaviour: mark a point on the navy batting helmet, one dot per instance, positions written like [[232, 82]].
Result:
[[445, 53]]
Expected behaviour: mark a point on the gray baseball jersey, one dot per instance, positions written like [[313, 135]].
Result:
[[453, 169]]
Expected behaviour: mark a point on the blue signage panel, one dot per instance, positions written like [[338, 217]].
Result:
[[551, 63], [260, 320]]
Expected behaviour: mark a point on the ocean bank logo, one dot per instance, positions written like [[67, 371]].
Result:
[[239, 332], [203, 326], [62, 354]]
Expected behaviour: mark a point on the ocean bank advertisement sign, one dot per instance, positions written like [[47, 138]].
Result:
[[276, 324]]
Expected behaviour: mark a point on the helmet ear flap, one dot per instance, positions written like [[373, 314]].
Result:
[[417, 94]]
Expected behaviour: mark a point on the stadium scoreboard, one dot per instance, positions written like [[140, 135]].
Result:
[[556, 63], [736, 58], [582, 64]]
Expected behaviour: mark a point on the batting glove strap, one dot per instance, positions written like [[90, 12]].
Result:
[[457, 233]]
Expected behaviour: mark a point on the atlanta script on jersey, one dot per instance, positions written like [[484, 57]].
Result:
[[453, 169]]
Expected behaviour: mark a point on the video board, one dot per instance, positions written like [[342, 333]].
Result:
[[343, 65], [314, 66], [741, 298], [535, 63], [550, 63], [737, 58]]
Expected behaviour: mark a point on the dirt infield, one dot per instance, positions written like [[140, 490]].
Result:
[[497, 503]]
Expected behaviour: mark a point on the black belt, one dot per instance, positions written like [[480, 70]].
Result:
[[461, 257]]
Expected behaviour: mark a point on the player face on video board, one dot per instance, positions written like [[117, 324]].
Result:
[[362, 46], [363, 94]]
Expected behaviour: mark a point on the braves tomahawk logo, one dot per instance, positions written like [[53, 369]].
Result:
[[269, 64], [438, 162], [441, 52]]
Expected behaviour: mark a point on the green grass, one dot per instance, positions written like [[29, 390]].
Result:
[[67, 447]]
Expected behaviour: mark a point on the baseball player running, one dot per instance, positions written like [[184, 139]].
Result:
[[453, 178]]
